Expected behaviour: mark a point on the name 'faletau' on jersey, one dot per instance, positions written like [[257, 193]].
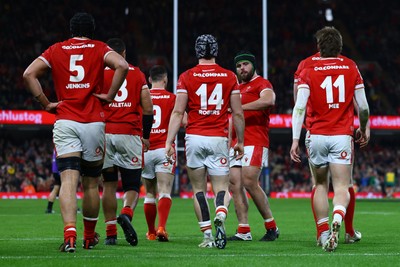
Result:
[[209, 88], [332, 82], [124, 114]]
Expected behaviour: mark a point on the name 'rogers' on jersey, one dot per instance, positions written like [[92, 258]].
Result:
[[209, 88]]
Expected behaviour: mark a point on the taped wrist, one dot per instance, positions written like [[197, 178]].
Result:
[[147, 123]]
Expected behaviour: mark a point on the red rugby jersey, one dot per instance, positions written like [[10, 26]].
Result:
[[332, 82], [257, 121], [209, 87], [163, 104], [77, 67]]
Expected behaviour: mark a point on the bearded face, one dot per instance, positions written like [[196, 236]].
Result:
[[245, 71]]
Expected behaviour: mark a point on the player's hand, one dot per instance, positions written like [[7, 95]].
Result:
[[146, 144], [295, 151], [104, 98], [169, 153], [362, 138], [239, 151], [52, 107]]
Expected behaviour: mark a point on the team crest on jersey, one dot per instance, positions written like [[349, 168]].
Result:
[[135, 159], [223, 161], [98, 151]]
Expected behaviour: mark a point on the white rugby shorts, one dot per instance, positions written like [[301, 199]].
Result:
[[207, 151], [325, 149], [123, 150], [256, 156], [154, 162], [71, 136]]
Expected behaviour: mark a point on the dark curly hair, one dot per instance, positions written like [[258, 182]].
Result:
[[82, 25]]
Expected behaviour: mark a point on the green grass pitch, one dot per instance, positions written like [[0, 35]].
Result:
[[29, 237]]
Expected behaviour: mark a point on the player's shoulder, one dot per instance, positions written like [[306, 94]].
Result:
[[135, 69], [224, 70], [93, 43], [268, 85], [168, 92], [161, 91], [309, 60], [78, 43], [161, 94], [210, 70], [187, 72], [347, 60], [257, 83], [263, 82], [65, 43]]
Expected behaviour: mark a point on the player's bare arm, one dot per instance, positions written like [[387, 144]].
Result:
[[184, 120], [266, 100], [116, 62], [31, 78], [175, 123], [238, 122], [362, 133]]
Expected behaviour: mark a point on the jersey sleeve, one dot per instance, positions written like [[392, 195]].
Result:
[[143, 81], [266, 85], [235, 85], [303, 80], [46, 56], [300, 67], [181, 86], [359, 80]]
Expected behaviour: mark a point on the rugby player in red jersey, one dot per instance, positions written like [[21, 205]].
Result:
[[207, 91], [258, 97], [77, 67], [128, 123], [327, 88]]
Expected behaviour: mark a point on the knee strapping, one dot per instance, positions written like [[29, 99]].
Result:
[[70, 163], [219, 201], [92, 171], [130, 179], [205, 213], [110, 176]]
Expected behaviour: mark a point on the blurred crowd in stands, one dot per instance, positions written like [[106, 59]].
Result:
[[25, 163], [25, 166], [376, 169], [370, 32]]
